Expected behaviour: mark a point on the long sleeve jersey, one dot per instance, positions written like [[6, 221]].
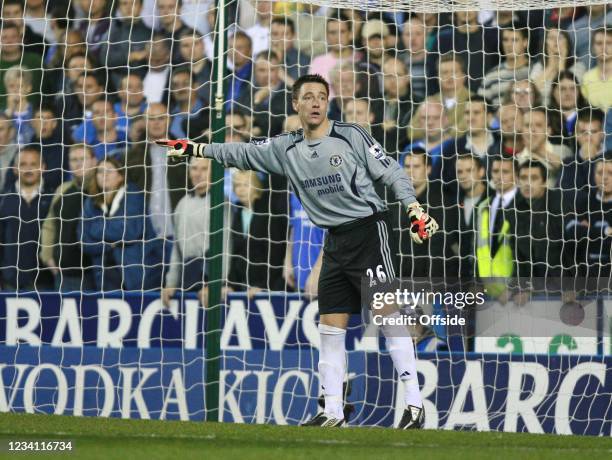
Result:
[[333, 177]]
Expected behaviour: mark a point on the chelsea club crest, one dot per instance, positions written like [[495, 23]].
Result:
[[335, 160]]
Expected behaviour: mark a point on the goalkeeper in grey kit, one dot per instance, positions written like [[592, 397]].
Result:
[[332, 168]]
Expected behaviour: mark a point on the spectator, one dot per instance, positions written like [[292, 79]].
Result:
[[240, 56], [12, 54], [117, 234], [260, 31], [171, 25], [282, 42], [473, 190], [79, 105], [271, 101], [524, 94], [104, 131], [597, 84], [556, 58], [339, 48], [22, 210], [536, 132], [61, 249], [479, 140], [132, 103], [577, 171], [415, 57], [124, 48], [186, 105], [158, 74], [64, 90], [164, 182], [258, 233], [360, 111], [539, 225], [37, 20], [596, 17], [47, 131], [475, 45], [514, 67], [596, 232], [12, 10], [304, 249], [430, 259], [8, 152], [193, 54], [430, 131], [494, 223], [453, 93], [511, 128], [397, 97], [188, 268], [373, 34], [18, 85], [346, 84], [95, 25], [567, 100]]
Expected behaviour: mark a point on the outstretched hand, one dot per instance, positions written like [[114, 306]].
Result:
[[182, 148]]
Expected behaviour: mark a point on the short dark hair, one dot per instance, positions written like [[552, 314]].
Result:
[[522, 31], [589, 114], [268, 55], [285, 22], [308, 78], [6, 24], [535, 164], [470, 156], [478, 99], [505, 157], [452, 57], [31, 148]]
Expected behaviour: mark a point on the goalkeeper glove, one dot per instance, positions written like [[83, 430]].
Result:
[[183, 148], [422, 226]]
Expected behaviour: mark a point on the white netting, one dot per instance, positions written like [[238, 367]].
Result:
[[91, 207]]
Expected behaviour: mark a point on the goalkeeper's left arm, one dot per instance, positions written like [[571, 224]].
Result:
[[260, 156]]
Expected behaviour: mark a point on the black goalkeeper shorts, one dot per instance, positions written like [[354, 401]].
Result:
[[353, 253]]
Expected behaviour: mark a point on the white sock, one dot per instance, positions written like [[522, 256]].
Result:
[[332, 367], [401, 349]]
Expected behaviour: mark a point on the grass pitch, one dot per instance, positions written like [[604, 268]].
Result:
[[109, 439]]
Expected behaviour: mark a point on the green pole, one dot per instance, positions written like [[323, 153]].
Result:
[[215, 270]]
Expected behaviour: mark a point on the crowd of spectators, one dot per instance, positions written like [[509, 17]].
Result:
[[501, 119]]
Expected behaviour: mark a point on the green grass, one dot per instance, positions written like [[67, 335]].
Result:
[[109, 439]]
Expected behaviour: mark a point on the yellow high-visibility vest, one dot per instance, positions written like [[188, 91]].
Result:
[[499, 265]]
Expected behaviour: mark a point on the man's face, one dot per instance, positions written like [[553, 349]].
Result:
[[476, 116], [7, 133], [311, 104], [413, 36], [502, 176], [375, 46], [157, 122], [513, 43], [199, 174], [344, 84], [44, 124], [242, 51], [103, 115], [531, 183], [243, 188], [415, 168], [523, 95], [338, 34], [603, 177], [181, 87], [602, 45], [132, 91], [82, 163], [108, 177], [433, 118], [357, 111], [29, 168], [13, 13], [10, 41], [451, 76], [589, 134], [192, 48], [510, 120], [281, 38], [535, 131], [266, 73], [466, 17], [160, 53], [130, 8], [236, 128], [167, 10], [92, 91], [469, 174], [396, 79], [566, 94]]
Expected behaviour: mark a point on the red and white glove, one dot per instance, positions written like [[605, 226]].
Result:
[[422, 226], [183, 148]]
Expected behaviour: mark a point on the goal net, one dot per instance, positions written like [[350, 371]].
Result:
[[110, 252]]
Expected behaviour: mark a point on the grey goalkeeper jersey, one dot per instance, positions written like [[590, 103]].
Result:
[[333, 176]]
